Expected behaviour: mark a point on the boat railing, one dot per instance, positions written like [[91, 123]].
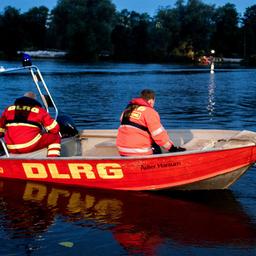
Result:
[[4, 147], [40, 85]]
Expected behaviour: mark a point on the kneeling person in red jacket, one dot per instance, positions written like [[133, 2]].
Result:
[[23, 125]]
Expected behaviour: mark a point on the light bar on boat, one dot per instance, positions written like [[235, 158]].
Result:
[[26, 60]]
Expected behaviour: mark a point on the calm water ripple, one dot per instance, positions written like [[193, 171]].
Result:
[[36, 219]]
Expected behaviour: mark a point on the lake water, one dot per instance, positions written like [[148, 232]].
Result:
[[36, 219]]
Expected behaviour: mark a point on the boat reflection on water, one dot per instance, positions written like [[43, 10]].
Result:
[[139, 222]]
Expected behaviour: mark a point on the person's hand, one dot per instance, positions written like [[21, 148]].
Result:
[[176, 149]]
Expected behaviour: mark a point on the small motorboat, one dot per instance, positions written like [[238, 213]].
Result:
[[214, 159]]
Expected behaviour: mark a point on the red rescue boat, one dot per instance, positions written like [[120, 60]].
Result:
[[214, 159]]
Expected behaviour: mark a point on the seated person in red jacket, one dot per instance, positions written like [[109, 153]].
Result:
[[27, 127], [141, 130]]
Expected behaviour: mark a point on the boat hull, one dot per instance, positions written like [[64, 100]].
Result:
[[216, 169]]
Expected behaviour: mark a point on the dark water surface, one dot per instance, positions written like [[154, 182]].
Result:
[[36, 219]]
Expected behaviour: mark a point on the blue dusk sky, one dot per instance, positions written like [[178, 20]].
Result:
[[149, 6]]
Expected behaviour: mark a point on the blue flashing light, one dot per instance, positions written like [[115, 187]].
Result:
[[26, 60]]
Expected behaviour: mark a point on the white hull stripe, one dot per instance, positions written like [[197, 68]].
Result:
[[134, 150], [25, 145]]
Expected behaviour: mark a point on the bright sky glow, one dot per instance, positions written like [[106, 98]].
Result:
[[149, 6]]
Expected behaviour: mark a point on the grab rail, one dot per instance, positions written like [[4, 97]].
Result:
[[4, 147], [39, 82]]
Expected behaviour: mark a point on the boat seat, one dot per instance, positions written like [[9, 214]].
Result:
[[243, 138], [35, 154], [69, 147], [107, 144], [199, 144], [105, 148]]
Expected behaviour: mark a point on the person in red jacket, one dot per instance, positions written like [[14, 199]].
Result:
[[27, 127], [141, 131]]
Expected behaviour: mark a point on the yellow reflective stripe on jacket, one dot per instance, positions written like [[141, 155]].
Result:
[[2, 130], [157, 131], [134, 150], [167, 145], [25, 145], [54, 145], [50, 127], [53, 152], [22, 124]]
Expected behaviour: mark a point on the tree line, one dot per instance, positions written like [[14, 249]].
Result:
[[94, 29]]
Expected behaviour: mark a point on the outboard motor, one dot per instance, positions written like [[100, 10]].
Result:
[[67, 126]]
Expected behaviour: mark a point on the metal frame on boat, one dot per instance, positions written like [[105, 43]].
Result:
[[214, 159]]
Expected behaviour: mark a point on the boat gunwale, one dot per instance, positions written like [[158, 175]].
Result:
[[163, 155]]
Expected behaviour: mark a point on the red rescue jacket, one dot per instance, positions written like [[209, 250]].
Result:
[[133, 139], [22, 124]]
